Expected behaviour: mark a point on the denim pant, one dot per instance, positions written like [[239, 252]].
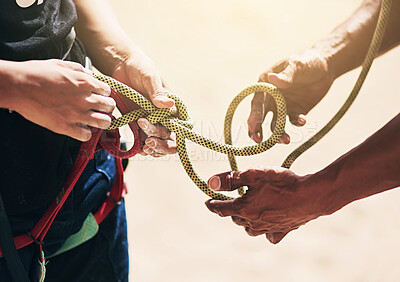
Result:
[[102, 258]]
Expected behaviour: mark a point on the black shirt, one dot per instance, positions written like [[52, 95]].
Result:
[[34, 161], [37, 31]]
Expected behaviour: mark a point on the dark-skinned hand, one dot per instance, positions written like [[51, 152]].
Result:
[[304, 80], [277, 201]]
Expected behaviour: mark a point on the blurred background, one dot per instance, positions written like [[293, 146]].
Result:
[[208, 51]]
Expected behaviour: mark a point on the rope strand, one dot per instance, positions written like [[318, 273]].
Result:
[[177, 118]]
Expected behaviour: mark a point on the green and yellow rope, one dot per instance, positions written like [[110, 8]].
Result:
[[177, 118]]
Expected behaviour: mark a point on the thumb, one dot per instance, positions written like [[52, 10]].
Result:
[[157, 92], [160, 98], [276, 237], [227, 181], [284, 79]]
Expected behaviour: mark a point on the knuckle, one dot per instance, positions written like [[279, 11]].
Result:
[[147, 77], [73, 65], [263, 77], [105, 121], [257, 225], [299, 63], [99, 120], [250, 231], [74, 115], [110, 104]]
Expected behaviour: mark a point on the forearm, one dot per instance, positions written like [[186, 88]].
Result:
[[8, 75], [370, 168], [346, 47], [104, 39]]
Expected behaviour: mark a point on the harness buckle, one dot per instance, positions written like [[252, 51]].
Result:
[[37, 242], [115, 202]]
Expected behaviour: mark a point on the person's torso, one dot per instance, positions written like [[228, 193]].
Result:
[[35, 29], [34, 161]]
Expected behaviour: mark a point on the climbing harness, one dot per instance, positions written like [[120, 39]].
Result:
[[176, 120], [109, 140]]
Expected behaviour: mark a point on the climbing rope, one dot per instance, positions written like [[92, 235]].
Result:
[[177, 119]]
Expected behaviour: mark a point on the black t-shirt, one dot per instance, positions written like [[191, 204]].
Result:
[[34, 161], [37, 31]]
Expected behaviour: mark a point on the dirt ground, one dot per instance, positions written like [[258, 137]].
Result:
[[208, 51]]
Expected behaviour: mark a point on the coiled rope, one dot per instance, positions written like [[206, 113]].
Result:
[[177, 118]]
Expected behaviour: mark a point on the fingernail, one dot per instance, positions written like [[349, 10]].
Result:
[[271, 238], [214, 183], [285, 139], [142, 124], [148, 150], [167, 101], [151, 143], [256, 137], [282, 76], [301, 120]]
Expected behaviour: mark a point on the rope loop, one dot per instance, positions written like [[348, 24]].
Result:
[[177, 118]]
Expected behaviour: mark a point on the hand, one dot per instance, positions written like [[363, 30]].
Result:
[[277, 201], [140, 73], [304, 80], [60, 96], [158, 140]]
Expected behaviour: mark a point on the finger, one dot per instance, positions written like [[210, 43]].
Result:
[[222, 208], [152, 130], [146, 149], [92, 84], [253, 232], [155, 155], [98, 120], [256, 117], [227, 181], [99, 87], [71, 65], [285, 138], [159, 146], [276, 237], [231, 180], [297, 119], [240, 221], [283, 79], [79, 131], [278, 67], [158, 94], [100, 103]]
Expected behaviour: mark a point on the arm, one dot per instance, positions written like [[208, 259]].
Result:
[[346, 47], [279, 201], [61, 97], [305, 78], [115, 54]]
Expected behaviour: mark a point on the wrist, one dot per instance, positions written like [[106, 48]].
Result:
[[324, 191], [8, 95], [335, 51]]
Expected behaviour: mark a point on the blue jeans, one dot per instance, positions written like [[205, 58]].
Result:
[[102, 258]]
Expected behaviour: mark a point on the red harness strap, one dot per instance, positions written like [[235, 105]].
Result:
[[109, 140]]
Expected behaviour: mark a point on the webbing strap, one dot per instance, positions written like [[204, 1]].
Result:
[[38, 232], [7, 246], [109, 140]]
